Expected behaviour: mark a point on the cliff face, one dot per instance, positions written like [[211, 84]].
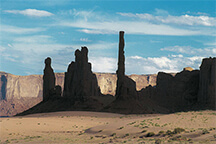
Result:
[[19, 93], [207, 85]]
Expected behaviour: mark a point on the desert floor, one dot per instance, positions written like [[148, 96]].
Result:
[[96, 127]]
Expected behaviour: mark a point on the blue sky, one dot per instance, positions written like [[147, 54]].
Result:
[[159, 35]]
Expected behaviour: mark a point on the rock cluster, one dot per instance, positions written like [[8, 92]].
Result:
[[80, 83], [207, 85], [126, 87]]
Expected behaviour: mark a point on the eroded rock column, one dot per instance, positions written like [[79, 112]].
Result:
[[48, 79], [126, 87], [80, 82]]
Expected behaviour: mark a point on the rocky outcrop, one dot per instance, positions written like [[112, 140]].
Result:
[[126, 87], [14, 89], [177, 92], [207, 85], [80, 83], [48, 80]]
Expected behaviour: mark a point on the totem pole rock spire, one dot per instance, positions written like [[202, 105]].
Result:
[[126, 87], [121, 57]]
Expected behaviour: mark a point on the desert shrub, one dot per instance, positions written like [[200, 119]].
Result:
[[144, 131], [214, 136], [127, 134], [158, 141], [113, 134], [121, 127], [161, 132], [169, 132], [178, 130], [150, 134], [205, 131]]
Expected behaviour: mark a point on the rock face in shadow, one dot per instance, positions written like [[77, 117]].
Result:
[[177, 92], [80, 83], [3, 84], [23, 92], [48, 80], [126, 87], [207, 85]]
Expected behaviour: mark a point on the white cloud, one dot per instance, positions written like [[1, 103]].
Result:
[[85, 40], [179, 20], [153, 65], [19, 30], [209, 51], [130, 27], [31, 12], [103, 64], [34, 39], [162, 24]]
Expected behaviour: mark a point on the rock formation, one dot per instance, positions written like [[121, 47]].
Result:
[[177, 92], [207, 85], [126, 87], [23, 92], [48, 79], [80, 82]]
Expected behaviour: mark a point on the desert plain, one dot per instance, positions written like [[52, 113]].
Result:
[[100, 127]]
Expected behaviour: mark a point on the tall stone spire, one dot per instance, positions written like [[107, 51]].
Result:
[[121, 57], [126, 87]]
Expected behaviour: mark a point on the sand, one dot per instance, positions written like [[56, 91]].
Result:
[[97, 127]]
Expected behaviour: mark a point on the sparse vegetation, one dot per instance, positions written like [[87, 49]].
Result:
[[144, 131], [158, 141], [161, 132], [121, 127], [205, 131], [150, 134], [113, 134], [132, 123], [178, 130], [127, 134]]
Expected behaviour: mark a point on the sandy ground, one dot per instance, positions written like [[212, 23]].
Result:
[[96, 127]]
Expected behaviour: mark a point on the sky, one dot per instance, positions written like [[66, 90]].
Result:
[[159, 35]]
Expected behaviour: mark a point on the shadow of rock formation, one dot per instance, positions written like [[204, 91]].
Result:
[[3, 85]]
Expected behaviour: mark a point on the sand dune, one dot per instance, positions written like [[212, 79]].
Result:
[[96, 127]]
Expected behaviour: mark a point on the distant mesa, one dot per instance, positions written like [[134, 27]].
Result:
[[187, 90]]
